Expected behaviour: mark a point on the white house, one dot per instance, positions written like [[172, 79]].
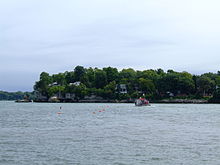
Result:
[[77, 83]]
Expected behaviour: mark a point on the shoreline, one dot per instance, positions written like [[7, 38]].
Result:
[[183, 101], [164, 101]]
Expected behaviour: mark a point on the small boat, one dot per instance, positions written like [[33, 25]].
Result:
[[23, 101], [142, 102]]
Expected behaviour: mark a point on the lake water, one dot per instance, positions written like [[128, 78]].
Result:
[[109, 134]]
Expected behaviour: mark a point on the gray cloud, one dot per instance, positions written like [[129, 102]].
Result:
[[55, 36]]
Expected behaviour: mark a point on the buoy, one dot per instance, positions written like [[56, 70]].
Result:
[[59, 112]]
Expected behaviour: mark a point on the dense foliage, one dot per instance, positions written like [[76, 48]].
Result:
[[15, 95], [154, 84]]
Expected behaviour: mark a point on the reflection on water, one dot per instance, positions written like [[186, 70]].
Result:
[[87, 134]]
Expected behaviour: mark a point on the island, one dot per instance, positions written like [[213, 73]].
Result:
[[111, 85]]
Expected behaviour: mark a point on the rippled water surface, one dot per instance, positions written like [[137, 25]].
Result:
[[109, 134]]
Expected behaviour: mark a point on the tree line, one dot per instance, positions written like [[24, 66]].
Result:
[[154, 84], [16, 95]]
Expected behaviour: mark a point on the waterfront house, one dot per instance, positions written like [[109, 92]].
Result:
[[70, 96], [77, 83], [53, 84], [121, 88], [170, 94], [40, 96]]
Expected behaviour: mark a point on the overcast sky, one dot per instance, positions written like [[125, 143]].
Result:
[[55, 36]]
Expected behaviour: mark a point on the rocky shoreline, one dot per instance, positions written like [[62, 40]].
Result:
[[183, 101]]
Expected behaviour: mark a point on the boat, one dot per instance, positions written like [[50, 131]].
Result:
[[26, 99], [23, 101], [142, 102]]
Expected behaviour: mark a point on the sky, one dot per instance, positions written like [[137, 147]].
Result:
[[55, 36]]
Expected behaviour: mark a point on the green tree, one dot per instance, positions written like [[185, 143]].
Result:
[[70, 77], [100, 78], [43, 84], [111, 73], [128, 77], [109, 90], [59, 78], [217, 81], [168, 83], [186, 84], [79, 71], [80, 91], [205, 85], [216, 96], [56, 90], [146, 86], [160, 72], [90, 73], [177, 83], [128, 74]]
